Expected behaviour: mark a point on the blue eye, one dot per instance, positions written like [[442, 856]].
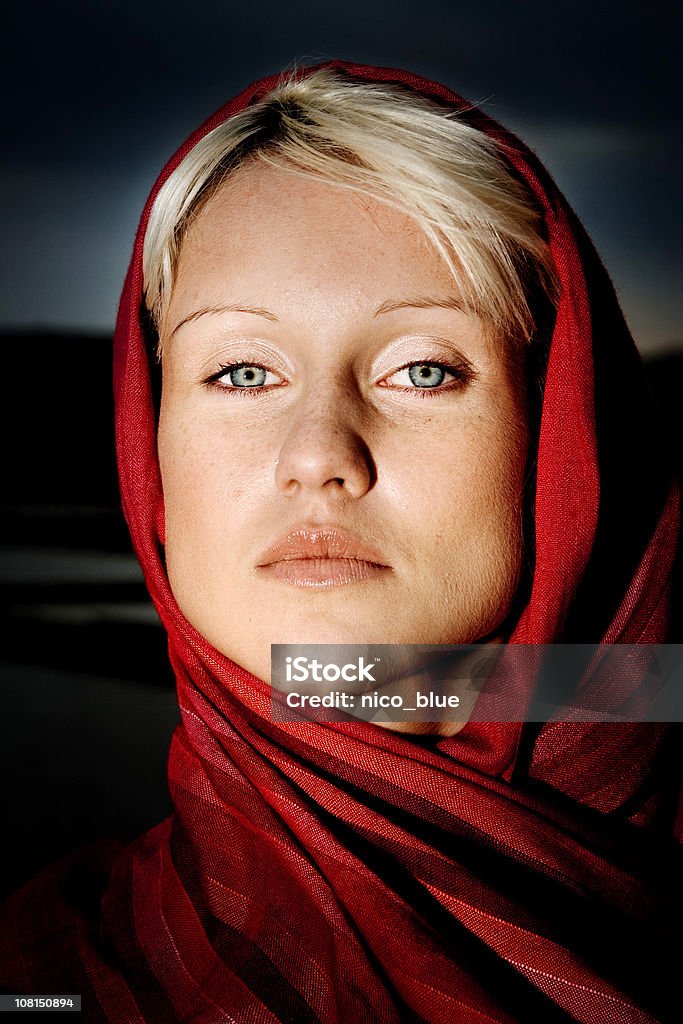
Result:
[[426, 375], [247, 376], [244, 377]]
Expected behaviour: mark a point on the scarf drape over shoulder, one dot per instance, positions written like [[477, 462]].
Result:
[[338, 872]]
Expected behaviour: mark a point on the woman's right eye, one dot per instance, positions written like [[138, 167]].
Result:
[[243, 377]]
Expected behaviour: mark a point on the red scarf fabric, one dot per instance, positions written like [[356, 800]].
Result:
[[342, 873]]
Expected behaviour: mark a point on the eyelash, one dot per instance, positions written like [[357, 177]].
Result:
[[461, 374], [245, 392]]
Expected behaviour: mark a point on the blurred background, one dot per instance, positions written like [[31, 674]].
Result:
[[97, 96]]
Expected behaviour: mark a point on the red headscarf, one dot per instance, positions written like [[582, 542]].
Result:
[[342, 873]]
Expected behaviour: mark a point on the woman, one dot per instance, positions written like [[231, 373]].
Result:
[[398, 404]]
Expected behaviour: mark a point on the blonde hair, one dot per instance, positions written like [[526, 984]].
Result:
[[390, 143]]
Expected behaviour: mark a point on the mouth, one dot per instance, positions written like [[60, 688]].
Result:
[[321, 558]]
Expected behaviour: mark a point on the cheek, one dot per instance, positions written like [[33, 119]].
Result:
[[471, 508], [211, 486], [208, 471], [501, 471], [462, 480]]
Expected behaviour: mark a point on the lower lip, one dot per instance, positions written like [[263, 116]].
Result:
[[323, 572]]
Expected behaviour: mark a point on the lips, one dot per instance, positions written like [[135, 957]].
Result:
[[315, 557]]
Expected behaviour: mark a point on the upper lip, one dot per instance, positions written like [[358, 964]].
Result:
[[319, 542]]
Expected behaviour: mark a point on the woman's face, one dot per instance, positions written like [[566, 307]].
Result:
[[342, 447]]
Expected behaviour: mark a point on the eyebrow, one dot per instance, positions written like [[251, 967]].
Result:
[[419, 302], [231, 307]]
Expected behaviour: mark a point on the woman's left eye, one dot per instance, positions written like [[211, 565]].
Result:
[[426, 376], [244, 376]]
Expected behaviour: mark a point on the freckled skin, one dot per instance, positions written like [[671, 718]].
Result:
[[433, 481]]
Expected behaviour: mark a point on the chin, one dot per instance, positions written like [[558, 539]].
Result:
[[322, 630]]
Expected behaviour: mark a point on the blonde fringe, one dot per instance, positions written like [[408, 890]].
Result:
[[395, 146]]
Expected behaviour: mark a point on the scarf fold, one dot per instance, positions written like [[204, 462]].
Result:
[[339, 872]]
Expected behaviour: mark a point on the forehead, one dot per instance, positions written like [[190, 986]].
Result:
[[272, 228]]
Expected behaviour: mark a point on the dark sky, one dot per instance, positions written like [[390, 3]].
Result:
[[97, 95]]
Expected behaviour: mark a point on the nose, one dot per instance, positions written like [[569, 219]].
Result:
[[324, 449]]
